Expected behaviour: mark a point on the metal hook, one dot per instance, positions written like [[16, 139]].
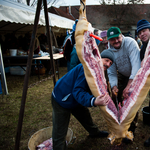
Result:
[[83, 5]]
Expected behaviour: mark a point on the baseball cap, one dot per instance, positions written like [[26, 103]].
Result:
[[113, 32]]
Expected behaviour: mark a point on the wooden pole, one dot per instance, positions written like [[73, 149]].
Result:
[[49, 40], [26, 80]]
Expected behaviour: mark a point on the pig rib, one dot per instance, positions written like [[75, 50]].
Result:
[[89, 56]]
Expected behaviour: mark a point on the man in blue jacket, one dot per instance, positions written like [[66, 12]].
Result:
[[71, 95]]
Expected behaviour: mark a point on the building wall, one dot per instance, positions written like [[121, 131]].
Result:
[[125, 17]]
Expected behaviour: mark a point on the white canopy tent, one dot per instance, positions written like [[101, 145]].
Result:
[[19, 18]]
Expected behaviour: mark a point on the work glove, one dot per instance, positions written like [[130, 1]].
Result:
[[102, 100]]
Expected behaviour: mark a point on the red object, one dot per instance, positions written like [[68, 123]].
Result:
[[96, 37]]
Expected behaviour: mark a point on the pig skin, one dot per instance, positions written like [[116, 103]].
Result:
[[138, 89]]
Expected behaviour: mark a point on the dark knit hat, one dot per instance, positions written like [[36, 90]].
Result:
[[142, 24], [108, 53]]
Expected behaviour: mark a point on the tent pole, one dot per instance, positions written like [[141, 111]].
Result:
[[26, 79], [49, 41]]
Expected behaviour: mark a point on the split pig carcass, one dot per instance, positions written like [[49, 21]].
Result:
[[90, 58]]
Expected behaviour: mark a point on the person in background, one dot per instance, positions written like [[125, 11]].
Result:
[[74, 60], [104, 44], [74, 26], [43, 42], [26, 43], [96, 33], [138, 41], [37, 46], [126, 65], [11, 41], [129, 34], [68, 45], [143, 31], [71, 95]]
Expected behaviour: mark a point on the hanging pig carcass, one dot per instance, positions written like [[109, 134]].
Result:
[[89, 56]]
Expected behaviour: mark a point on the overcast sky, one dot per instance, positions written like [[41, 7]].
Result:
[[77, 2], [74, 2], [88, 2]]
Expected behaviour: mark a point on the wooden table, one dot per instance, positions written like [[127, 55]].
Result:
[[22, 60], [56, 57], [19, 60]]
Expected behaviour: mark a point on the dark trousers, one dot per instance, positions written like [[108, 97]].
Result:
[[61, 118], [122, 83]]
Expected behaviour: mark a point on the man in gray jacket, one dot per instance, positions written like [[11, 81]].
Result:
[[126, 65], [127, 61]]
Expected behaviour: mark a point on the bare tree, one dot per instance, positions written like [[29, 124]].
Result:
[[34, 2], [114, 2], [121, 12], [28, 2], [19, 1]]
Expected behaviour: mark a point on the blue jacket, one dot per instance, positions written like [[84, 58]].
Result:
[[74, 60], [72, 89]]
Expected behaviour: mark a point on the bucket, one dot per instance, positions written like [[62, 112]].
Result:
[[13, 52], [45, 134], [146, 115]]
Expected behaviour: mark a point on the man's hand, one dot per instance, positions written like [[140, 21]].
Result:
[[115, 90], [125, 93], [102, 100], [126, 90]]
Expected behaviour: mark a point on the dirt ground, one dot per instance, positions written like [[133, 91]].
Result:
[[38, 115]]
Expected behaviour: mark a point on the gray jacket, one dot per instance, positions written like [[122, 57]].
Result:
[[127, 60]]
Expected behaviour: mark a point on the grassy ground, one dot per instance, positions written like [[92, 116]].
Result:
[[38, 115]]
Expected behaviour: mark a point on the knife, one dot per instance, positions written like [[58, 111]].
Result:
[[117, 107]]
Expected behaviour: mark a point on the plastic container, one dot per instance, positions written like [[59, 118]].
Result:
[[13, 52], [146, 115], [45, 134], [17, 70]]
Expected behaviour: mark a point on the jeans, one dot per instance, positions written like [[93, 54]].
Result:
[[61, 118]]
